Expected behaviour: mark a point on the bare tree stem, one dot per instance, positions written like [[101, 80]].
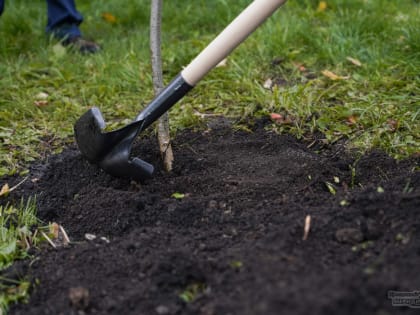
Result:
[[156, 58]]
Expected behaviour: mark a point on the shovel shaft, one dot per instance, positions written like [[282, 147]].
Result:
[[168, 97], [230, 38]]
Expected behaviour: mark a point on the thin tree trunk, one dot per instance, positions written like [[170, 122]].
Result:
[[155, 52]]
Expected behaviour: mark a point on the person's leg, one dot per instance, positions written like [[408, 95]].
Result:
[[1, 6], [63, 23], [63, 19]]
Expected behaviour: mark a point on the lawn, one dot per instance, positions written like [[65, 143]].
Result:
[[371, 46], [346, 70]]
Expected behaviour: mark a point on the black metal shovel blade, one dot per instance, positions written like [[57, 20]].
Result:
[[110, 150], [89, 137]]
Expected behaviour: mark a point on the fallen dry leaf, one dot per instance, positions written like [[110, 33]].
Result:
[[393, 124], [5, 190], [331, 75], [109, 17], [322, 6], [41, 96], [268, 84], [275, 116], [280, 119], [300, 66], [54, 229], [354, 61], [352, 120], [41, 103]]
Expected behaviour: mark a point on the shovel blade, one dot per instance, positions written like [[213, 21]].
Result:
[[119, 164], [89, 137], [110, 150], [95, 144]]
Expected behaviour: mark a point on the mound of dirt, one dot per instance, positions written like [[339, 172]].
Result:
[[233, 241]]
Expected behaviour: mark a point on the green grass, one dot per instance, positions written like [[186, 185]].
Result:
[[15, 228], [382, 96], [18, 226], [377, 105]]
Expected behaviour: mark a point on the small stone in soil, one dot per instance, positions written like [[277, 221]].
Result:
[[79, 298], [162, 310]]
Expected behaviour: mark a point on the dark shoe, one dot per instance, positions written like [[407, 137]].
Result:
[[82, 45]]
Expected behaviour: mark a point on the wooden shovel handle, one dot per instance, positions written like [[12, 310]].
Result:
[[230, 38]]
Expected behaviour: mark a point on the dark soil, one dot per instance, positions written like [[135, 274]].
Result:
[[233, 244]]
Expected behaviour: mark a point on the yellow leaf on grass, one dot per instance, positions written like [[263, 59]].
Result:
[[354, 61], [322, 6], [109, 17], [4, 190], [331, 75]]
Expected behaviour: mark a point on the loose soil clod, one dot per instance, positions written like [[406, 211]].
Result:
[[235, 237]]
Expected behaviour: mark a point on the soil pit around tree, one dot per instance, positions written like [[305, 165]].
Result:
[[234, 243]]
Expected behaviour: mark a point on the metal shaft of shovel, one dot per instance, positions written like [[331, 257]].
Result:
[[111, 150]]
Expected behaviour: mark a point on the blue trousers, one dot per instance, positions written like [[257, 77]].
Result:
[[63, 18]]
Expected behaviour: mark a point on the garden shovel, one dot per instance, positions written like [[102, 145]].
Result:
[[111, 150]]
